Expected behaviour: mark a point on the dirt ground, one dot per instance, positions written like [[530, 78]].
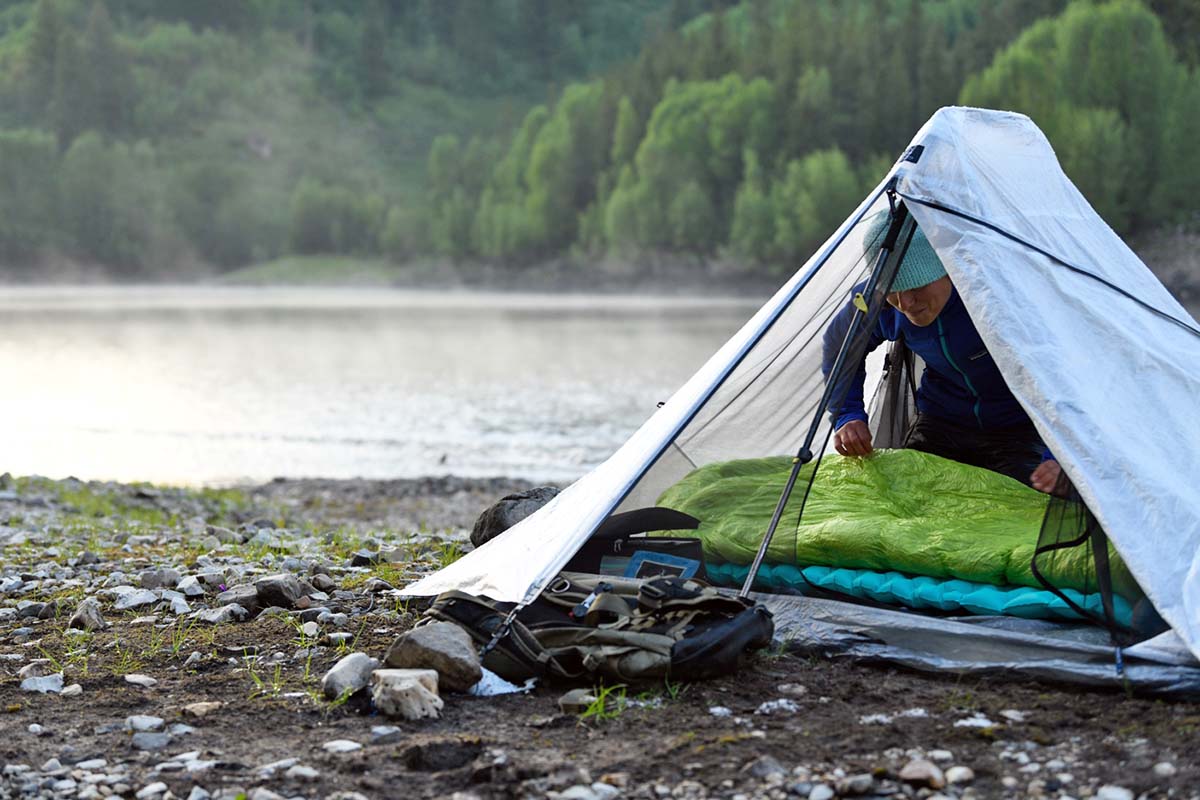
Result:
[[712, 739]]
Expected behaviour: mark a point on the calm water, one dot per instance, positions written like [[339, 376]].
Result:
[[203, 386]]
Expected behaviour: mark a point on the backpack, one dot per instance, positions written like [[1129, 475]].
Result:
[[584, 627]]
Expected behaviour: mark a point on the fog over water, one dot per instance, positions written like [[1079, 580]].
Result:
[[210, 386]]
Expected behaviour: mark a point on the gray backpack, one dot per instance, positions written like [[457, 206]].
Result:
[[584, 627]]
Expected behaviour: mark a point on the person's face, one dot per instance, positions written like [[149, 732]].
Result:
[[923, 304]]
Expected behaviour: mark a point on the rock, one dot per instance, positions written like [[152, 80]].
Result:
[[407, 693], [190, 587], [442, 646], [855, 785], [198, 793], [46, 684], [281, 590], [245, 596], [576, 701], [152, 790], [145, 681], [941, 756], [201, 709], [87, 616], [763, 766], [350, 674], [142, 722], [151, 742], [821, 792], [960, 774], [38, 668], [920, 772], [74, 690], [323, 583], [222, 615], [135, 598], [310, 629], [1164, 769], [508, 511], [159, 579], [301, 773], [363, 558], [341, 746], [1111, 792], [792, 689], [783, 705], [385, 734]]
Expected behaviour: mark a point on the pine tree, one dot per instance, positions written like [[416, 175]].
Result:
[[41, 56], [108, 106]]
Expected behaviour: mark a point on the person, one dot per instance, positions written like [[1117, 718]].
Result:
[[965, 410]]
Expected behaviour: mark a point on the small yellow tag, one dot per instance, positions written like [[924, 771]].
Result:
[[860, 302]]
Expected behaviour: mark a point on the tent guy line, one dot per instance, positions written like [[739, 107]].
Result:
[[1061, 262]]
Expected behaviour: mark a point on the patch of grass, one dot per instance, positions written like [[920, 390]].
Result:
[[609, 704]]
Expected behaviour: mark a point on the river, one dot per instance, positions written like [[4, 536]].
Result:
[[202, 386]]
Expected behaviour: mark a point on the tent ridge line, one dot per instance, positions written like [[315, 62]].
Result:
[[1056, 259]]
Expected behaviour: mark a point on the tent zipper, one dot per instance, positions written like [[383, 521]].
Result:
[[966, 380]]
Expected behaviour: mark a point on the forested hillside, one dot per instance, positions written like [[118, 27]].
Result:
[[142, 137], [151, 137]]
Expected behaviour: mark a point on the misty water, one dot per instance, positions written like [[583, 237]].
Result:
[[213, 386]]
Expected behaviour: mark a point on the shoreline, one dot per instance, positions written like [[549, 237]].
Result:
[[168, 702]]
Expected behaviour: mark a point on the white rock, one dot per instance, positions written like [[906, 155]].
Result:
[[201, 709], [923, 773], [137, 679], [134, 599], [821, 792], [87, 616], [783, 705], [1164, 769], [1012, 715], [198, 792], [153, 790], [74, 690], [47, 684], [349, 674], [341, 746], [38, 668], [1110, 792], [406, 693], [960, 774], [941, 756], [720, 711], [180, 606], [190, 587], [302, 773]]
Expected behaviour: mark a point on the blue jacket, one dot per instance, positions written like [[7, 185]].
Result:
[[961, 382]]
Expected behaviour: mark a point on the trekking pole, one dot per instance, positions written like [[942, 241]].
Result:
[[899, 215]]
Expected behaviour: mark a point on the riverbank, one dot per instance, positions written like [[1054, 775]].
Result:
[[154, 558]]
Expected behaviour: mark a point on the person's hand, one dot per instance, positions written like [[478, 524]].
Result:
[[1045, 477], [853, 439]]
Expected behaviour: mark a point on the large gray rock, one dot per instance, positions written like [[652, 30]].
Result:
[[281, 590], [245, 596], [87, 616], [441, 646], [351, 674], [508, 511]]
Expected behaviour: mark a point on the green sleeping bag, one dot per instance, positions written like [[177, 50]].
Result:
[[898, 510]]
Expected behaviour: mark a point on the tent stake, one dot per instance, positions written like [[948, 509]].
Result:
[[899, 217]]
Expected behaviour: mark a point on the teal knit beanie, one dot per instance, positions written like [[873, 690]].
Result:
[[920, 266]]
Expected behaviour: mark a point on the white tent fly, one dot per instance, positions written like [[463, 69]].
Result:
[[1101, 356]]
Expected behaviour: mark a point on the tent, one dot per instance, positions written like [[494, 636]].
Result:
[[1101, 356]]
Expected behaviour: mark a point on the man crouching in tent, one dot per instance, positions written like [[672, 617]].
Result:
[[965, 411]]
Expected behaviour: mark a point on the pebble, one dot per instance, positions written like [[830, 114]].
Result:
[[151, 742], [341, 746], [138, 679], [46, 684], [74, 690], [1112, 792], [920, 772], [135, 598], [1164, 769], [151, 790], [201, 709], [960, 774], [821, 792], [302, 773], [141, 722]]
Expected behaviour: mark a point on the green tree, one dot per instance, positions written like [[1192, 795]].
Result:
[[753, 231], [627, 134], [815, 195], [28, 174], [109, 80], [693, 220], [41, 56]]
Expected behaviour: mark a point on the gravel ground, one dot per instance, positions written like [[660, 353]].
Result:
[[168, 689]]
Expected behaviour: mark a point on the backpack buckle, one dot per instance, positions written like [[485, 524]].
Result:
[[581, 610]]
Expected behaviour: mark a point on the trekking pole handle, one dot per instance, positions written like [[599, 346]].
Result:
[[805, 455]]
